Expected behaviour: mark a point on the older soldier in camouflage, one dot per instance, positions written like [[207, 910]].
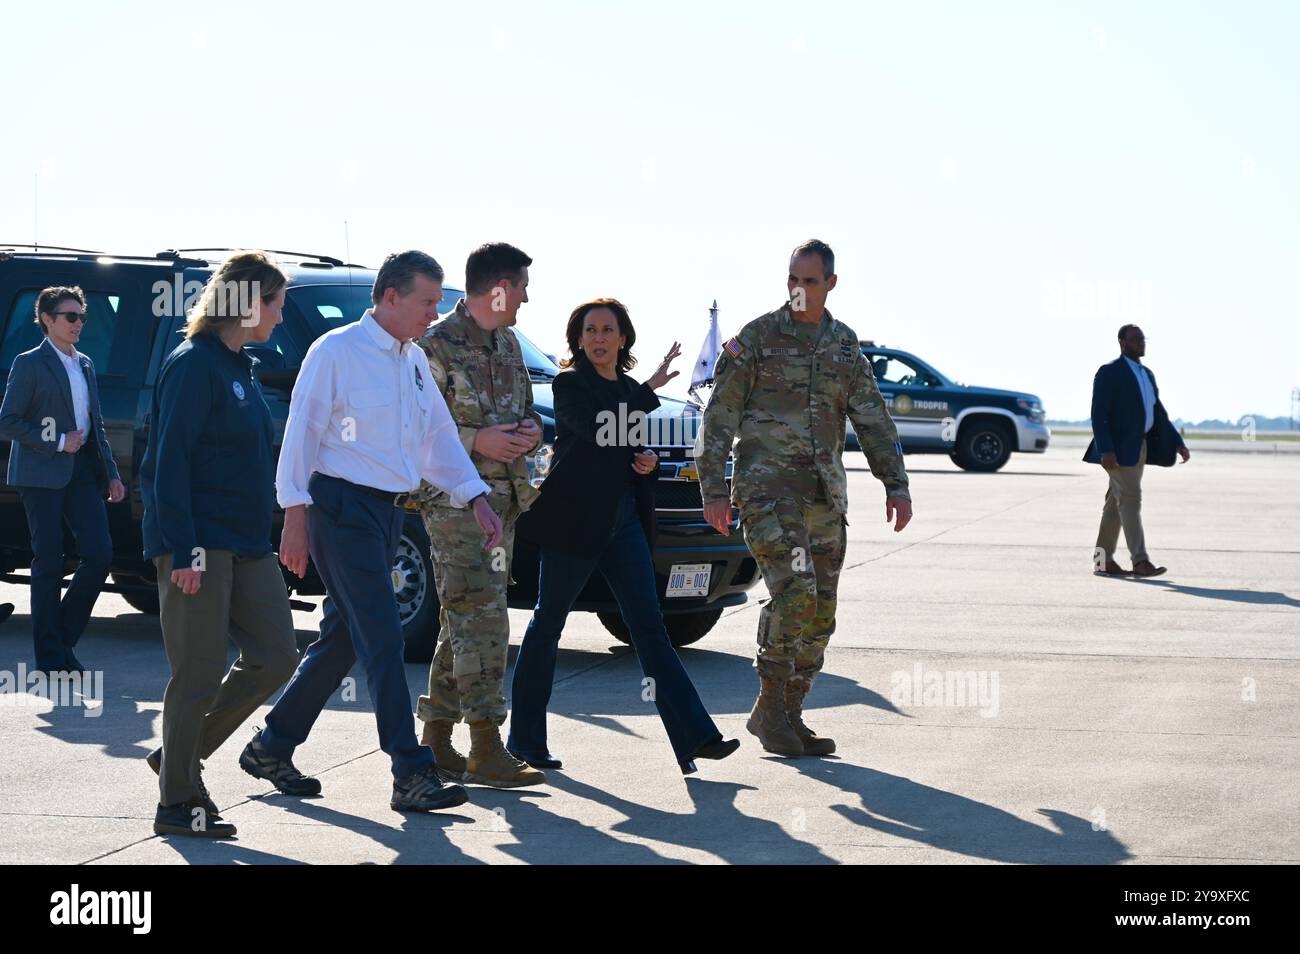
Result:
[[783, 388], [478, 366]]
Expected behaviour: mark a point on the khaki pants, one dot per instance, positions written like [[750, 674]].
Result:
[[241, 599], [1124, 508]]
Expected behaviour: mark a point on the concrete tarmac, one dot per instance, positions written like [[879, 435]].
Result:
[[992, 700]]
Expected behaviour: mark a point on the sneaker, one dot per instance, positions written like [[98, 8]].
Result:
[[425, 792], [191, 819], [154, 761], [259, 763]]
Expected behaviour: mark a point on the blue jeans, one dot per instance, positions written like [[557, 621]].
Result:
[[626, 565], [354, 539], [58, 624]]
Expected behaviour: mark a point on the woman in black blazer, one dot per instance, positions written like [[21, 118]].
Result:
[[596, 512]]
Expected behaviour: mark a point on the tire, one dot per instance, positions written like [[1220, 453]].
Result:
[[416, 592], [683, 628], [143, 600], [983, 445]]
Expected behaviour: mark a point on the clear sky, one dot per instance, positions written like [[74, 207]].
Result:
[[1004, 183]]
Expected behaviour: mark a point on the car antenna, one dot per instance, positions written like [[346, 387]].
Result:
[[347, 249]]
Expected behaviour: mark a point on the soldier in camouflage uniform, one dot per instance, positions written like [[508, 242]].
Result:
[[478, 366], [783, 388]]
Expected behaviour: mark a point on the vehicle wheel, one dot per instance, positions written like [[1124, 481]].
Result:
[[983, 446], [416, 592], [683, 628], [146, 601]]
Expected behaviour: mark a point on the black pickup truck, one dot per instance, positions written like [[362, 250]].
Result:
[[136, 309]]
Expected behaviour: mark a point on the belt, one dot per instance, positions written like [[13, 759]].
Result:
[[394, 498]]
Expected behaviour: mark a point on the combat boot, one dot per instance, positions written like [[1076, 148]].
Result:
[[437, 736], [489, 763], [769, 723], [813, 744]]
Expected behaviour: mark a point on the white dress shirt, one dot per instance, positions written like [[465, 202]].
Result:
[[1148, 392], [365, 409], [80, 390]]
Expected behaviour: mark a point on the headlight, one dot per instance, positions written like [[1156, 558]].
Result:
[[1031, 409], [539, 464]]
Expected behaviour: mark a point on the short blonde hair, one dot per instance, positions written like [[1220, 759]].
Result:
[[230, 292]]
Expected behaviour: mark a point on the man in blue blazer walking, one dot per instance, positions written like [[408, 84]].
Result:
[[63, 468], [1130, 429]]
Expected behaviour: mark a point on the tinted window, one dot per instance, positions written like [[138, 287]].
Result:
[[891, 369], [22, 334], [326, 307]]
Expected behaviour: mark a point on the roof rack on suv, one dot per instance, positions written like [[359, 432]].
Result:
[[9, 250], [9, 246], [305, 257]]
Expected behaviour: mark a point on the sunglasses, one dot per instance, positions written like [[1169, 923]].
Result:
[[71, 316]]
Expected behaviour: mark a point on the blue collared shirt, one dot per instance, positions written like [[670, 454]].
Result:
[[1148, 393]]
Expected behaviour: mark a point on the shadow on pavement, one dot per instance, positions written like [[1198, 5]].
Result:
[[715, 826], [897, 806], [1257, 597]]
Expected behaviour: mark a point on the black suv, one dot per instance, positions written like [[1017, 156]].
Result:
[[137, 307]]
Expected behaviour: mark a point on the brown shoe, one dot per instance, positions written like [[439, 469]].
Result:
[[490, 764], [1112, 569], [1147, 568], [769, 722], [437, 736], [813, 744]]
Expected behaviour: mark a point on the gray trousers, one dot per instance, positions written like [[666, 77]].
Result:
[[1124, 508], [241, 599]]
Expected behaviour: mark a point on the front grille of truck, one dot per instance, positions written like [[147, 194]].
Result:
[[678, 488]]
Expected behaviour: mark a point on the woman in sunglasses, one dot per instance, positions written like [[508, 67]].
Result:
[[63, 468], [596, 513]]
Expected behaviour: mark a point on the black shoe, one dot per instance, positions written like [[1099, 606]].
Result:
[[425, 792], [542, 760], [259, 763], [688, 767], [154, 761], [74, 664], [191, 818], [718, 749], [6, 610]]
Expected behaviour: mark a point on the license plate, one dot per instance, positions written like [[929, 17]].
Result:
[[689, 579]]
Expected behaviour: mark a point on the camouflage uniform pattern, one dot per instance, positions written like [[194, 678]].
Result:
[[484, 380], [782, 394]]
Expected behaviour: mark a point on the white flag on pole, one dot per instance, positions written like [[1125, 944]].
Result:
[[709, 351]]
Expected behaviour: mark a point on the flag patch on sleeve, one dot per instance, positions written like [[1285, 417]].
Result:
[[734, 348]]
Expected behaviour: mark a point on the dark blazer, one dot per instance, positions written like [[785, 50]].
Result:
[[579, 499], [1118, 417], [38, 390]]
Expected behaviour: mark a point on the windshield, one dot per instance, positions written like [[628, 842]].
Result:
[[327, 307]]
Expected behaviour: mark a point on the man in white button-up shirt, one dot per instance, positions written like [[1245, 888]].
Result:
[[366, 423]]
